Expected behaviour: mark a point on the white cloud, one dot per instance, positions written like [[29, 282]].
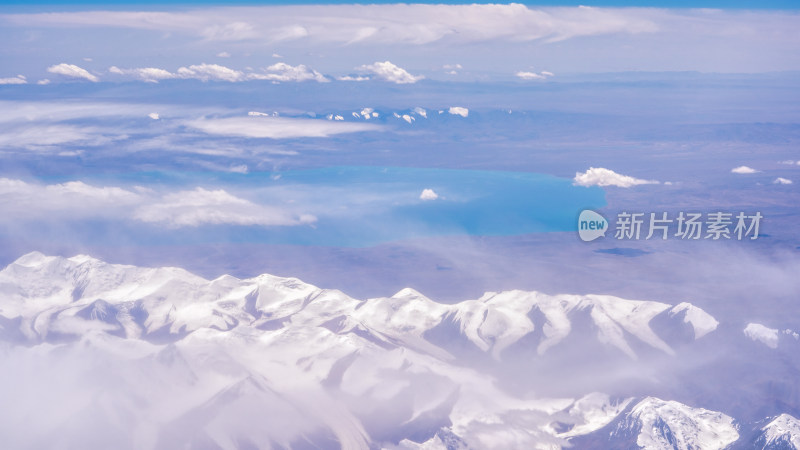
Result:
[[533, 75], [410, 24], [223, 55], [19, 79], [760, 333], [458, 111], [49, 135], [216, 72], [154, 116], [233, 31], [285, 72], [598, 176], [149, 74], [367, 113], [781, 180], [277, 127], [73, 71], [201, 207], [428, 194], [529, 76], [43, 82], [74, 199], [421, 112], [352, 78], [27, 112], [77, 200], [210, 72], [744, 170], [390, 72]]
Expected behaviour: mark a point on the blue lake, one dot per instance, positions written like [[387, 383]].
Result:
[[364, 206]]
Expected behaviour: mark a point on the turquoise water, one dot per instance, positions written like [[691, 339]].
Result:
[[363, 206]]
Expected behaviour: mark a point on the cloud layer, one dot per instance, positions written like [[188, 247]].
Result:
[[215, 72], [415, 24], [186, 208], [256, 126]]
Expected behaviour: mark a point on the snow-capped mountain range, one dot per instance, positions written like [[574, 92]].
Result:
[[98, 355]]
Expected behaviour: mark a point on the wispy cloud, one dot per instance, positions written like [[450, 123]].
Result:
[[598, 176], [276, 127], [19, 79], [214, 207], [72, 71], [414, 24], [186, 208]]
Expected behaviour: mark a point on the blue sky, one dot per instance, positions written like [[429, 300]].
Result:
[[434, 42], [740, 4]]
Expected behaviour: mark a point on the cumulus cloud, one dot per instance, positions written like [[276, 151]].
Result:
[[760, 333], [72, 71], [428, 194], [19, 79], [533, 75], [216, 72], [390, 72], [149, 74], [154, 116], [277, 127], [598, 176], [781, 180], [744, 170], [285, 72], [214, 207], [207, 72], [458, 111], [223, 55]]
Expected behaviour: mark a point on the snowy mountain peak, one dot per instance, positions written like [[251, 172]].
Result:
[[781, 432], [702, 322], [32, 259], [660, 424], [51, 296]]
